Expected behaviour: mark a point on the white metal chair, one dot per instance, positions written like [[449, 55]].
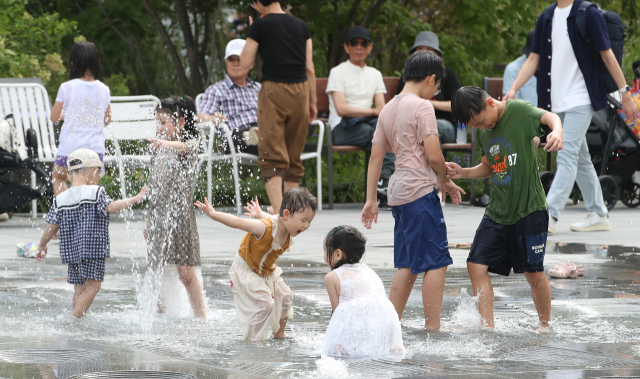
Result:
[[252, 160], [29, 103], [132, 118]]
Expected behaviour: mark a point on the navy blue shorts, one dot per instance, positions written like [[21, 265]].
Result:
[[420, 235], [92, 269], [520, 246]]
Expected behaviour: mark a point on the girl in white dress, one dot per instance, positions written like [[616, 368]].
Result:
[[364, 322]]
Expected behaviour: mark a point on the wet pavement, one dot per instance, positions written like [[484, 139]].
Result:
[[595, 330]]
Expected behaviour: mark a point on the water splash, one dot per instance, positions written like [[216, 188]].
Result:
[[466, 313]]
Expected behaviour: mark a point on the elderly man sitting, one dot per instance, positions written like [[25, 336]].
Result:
[[234, 100]]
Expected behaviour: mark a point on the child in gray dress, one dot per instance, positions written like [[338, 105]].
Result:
[[171, 231]]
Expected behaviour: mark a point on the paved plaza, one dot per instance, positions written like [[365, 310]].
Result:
[[595, 319]]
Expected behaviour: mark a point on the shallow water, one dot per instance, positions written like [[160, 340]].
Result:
[[595, 328]]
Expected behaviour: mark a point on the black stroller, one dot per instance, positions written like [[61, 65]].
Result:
[[615, 153], [14, 194]]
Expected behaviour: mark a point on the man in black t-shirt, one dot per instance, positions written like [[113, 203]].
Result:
[[450, 84]]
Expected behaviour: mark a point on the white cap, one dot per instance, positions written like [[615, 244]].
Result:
[[82, 158], [234, 47]]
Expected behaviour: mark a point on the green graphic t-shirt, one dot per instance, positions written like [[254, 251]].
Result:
[[516, 190]]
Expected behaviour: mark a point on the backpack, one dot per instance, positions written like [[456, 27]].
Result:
[[616, 38]]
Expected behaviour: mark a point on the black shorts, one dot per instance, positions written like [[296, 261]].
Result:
[[520, 246]]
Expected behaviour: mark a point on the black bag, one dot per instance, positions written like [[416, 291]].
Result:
[[616, 38]]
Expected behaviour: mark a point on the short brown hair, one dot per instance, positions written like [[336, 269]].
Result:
[[297, 200]]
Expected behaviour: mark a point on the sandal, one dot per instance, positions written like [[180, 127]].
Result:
[[563, 271], [579, 268]]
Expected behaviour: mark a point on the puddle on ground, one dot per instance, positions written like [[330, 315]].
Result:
[[596, 321]]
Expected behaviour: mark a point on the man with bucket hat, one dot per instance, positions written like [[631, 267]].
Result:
[[442, 101]]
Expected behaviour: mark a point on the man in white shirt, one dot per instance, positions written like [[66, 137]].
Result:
[[353, 88]]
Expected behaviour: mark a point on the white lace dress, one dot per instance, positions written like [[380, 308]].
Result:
[[365, 323]]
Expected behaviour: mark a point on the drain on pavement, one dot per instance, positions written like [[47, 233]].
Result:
[[383, 368], [633, 350], [258, 369], [134, 375], [557, 357]]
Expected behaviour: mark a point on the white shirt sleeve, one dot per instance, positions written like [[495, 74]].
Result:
[[61, 94], [336, 82], [380, 87]]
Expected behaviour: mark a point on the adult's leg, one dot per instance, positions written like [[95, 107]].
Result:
[[273, 156], [575, 124], [78, 289], [432, 294], [401, 287], [588, 182], [59, 179], [189, 278], [541, 294], [482, 288], [361, 135], [446, 131], [296, 131], [85, 299]]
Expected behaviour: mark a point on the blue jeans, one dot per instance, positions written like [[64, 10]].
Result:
[[446, 131], [574, 164]]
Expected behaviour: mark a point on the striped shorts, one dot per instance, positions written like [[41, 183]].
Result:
[[92, 269]]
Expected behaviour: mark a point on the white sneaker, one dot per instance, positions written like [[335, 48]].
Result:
[[592, 222], [552, 225]]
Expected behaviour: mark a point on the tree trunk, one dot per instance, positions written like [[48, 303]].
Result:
[[191, 45]]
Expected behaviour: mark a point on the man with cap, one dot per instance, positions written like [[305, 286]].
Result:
[[441, 102], [353, 87], [234, 99], [529, 91]]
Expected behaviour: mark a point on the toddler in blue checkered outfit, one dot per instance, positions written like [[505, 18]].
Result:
[[81, 214]]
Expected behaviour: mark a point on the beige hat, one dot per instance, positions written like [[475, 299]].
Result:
[[82, 158]]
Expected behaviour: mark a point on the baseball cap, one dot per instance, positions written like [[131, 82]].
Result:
[[527, 48], [83, 158], [358, 32], [234, 47]]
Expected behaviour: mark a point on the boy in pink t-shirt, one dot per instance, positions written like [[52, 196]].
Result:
[[407, 127]]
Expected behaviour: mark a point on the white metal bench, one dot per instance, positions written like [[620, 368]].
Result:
[[250, 159], [31, 108], [132, 118]]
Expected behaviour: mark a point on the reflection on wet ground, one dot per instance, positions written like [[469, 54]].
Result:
[[595, 330]]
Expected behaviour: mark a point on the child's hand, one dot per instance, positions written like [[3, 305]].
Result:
[[155, 143], [143, 192], [40, 254], [253, 209], [369, 214], [206, 207], [447, 186], [554, 141], [454, 171]]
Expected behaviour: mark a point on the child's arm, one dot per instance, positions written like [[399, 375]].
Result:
[[253, 210], [370, 211], [56, 112], [554, 139], [48, 234], [119, 205], [160, 143], [254, 227], [437, 163], [481, 171], [107, 116], [332, 282]]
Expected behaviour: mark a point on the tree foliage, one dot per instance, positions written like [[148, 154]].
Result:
[[177, 46]]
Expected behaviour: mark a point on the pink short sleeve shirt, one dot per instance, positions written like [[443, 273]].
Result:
[[403, 125]]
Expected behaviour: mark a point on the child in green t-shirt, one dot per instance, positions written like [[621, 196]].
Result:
[[513, 231]]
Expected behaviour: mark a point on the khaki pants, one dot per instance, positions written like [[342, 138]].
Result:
[[283, 122]]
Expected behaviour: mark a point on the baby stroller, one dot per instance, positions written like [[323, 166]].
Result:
[[14, 157], [615, 153]]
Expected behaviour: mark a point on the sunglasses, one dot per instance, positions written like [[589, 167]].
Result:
[[363, 42]]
